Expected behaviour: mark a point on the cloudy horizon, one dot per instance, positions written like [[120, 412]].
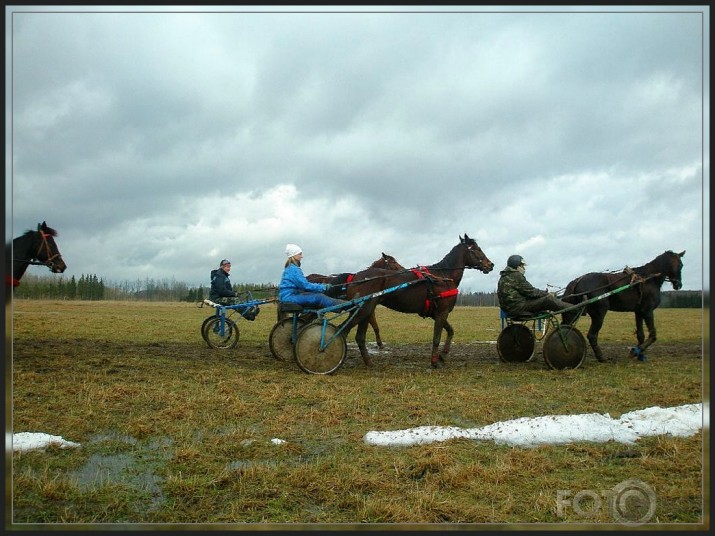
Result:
[[159, 140]]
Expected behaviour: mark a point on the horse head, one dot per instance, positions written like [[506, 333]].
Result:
[[48, 252], [475, 257], [390, 263], [672, 268]]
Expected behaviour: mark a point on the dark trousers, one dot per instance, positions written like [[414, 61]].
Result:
[[545, 303]]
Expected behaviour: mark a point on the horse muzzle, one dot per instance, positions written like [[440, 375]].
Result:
[[677, 284], [486, 266], [57, 266]]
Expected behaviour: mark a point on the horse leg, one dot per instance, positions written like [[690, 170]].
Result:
[[448, 341], [594, 328], [640, 336], [643, 343], [376, 329], [360, 340], [437, 358]]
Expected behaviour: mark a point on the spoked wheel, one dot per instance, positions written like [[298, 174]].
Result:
[[564, 348], [307, 354], [203, 327], [220, 338], [279, 340], [515, 344]]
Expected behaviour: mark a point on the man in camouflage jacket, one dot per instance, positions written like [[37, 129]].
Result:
[[518, 297]]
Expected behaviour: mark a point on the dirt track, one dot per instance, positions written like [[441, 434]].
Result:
[[46, 356]]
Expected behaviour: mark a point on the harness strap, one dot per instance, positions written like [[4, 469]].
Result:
[[11, 281], [429, 302], [448, 293], [419, 272], [350, 278]]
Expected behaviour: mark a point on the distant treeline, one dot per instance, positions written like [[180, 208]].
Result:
[[91, 287], [681, 299]]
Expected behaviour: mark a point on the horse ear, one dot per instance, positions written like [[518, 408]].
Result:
[[681, 253]]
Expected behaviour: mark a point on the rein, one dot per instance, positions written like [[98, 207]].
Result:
[[635, 280]]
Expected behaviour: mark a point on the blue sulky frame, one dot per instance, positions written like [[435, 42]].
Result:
[[314, 338], [220, 330]]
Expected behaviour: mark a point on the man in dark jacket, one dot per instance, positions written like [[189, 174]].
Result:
[[221, 289], [518, 297]]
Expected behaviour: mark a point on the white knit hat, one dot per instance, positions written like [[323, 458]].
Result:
[[293, 249]]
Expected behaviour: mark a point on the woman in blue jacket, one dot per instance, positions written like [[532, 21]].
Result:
[[295, 288]]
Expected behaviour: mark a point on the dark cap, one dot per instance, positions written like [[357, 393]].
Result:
[[225, 261]]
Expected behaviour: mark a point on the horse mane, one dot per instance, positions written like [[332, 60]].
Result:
[[446, 263], [653, 265], [47, 230]]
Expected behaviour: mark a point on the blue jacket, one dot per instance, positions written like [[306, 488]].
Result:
[[294, 282], [220, 285]]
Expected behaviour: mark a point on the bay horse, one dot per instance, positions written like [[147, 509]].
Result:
[[33, 247], [642, 298], [386, 262], [434, 297]]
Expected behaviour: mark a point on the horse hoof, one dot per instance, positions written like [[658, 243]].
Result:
[[637, 352], [438, 362], [369, 363]]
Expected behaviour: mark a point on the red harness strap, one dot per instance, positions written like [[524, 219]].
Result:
[[429, 303], [12, 281], [419, 272], [350, 278], [448, 293]]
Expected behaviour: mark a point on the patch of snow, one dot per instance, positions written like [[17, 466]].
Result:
[[681, 421]]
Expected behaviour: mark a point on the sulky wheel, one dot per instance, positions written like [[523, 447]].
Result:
[[216, 337], [203, 327], [307, 354], [279, 340], [564, 348], [515, 344]]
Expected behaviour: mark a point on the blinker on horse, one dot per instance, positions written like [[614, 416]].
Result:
[[642, 298], [33, 247]]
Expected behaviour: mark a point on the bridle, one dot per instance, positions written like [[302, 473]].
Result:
[[472, 250], [44, 247]]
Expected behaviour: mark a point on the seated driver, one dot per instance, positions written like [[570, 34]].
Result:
[[517, 297]]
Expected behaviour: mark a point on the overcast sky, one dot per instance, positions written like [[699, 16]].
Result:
[[158, 143]]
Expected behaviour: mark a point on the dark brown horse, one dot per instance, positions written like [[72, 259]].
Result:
[[434, 296], [386, 262], [642, 298], [33, 247]]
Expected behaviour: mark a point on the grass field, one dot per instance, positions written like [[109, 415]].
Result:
[[175, 433]]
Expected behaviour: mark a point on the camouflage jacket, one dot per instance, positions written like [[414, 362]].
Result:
[[514, 291]]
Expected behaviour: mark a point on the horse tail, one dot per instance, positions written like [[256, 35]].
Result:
[[571, 294]]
